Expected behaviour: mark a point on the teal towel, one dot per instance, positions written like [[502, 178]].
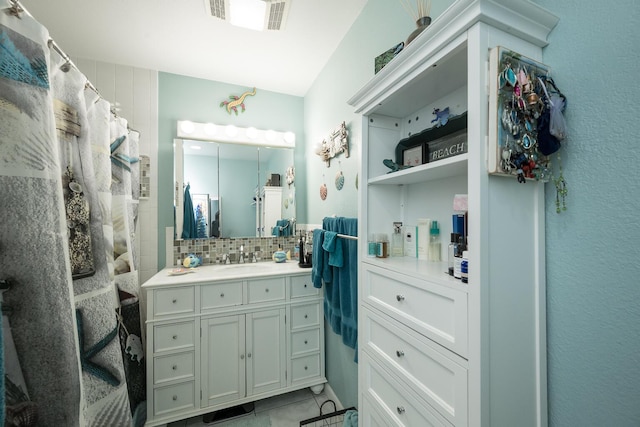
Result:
[[189, 221], [341, 292], [333, 244], [350, 418], [320, 270]]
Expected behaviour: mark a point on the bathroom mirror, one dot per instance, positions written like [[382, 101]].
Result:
[[233, 186]]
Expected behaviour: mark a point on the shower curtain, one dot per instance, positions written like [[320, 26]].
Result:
[[67, 233]]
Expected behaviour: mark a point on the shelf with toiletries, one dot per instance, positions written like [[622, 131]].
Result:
[[413, 168]]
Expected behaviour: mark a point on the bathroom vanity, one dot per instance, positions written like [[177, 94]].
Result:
[[224, 335]]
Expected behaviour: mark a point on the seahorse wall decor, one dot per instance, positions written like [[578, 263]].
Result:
[[237, 101]]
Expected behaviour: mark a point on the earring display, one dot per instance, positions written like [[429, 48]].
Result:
[[526, 121]]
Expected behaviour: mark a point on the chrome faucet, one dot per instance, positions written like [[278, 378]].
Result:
[[241, 259]]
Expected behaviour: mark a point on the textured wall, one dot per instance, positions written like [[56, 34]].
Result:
[[593, 296]]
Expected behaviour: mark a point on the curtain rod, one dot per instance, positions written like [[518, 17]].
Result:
[[16, 9]]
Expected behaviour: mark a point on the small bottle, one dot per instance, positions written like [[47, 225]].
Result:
[[451, 252], [434, 242], [382, 242], [457, 261], [464, 267], [397, 241], [372, 248]]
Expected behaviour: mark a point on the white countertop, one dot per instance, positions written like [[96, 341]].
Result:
[[218, 272]]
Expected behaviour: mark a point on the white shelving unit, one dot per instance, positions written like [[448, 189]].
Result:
[[433, 350]]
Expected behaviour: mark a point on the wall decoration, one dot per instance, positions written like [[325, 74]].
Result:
[[525, 116], [339, 179], [290, 175], [414, 156], [323, 190], [336, 144], [237, 101]]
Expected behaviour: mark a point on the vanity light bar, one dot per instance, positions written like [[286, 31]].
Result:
[[230, 133]]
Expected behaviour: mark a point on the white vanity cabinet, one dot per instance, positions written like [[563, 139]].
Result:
[[228, 335], [434, 351]]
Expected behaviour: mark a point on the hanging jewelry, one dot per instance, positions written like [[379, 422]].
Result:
[[561, 189], [339, 178], [323, 190]]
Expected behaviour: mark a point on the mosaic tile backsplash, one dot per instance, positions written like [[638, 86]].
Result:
[[212, 251], [145, 177]]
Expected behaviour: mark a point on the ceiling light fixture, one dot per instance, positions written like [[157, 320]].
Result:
[[253, 14]]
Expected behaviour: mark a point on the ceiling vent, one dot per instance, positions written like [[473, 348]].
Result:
[[275, 15]]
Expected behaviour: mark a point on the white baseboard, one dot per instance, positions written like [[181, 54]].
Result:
[[331, 395]]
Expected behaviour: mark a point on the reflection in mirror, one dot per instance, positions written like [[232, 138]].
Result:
[[236, 188]]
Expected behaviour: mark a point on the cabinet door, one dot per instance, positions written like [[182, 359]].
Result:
[[266, 360], [223, 359]]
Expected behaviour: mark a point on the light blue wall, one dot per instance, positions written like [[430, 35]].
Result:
[[381, 25], [593, 291], [188, 98]]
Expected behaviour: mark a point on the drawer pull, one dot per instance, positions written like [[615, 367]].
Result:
[[305, 316], [175, 397], [175, 337], [267, 290], [174, 367], [400, 298], [400, 410], [175, 300], [399, 353], [242, 357], [306, 368], [305, 341], [222, 295], [249, 355], [305, 285]]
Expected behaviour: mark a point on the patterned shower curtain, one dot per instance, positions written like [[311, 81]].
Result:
[[67, 180]]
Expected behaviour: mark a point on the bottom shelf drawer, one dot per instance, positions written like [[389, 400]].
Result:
[[178, 397], [304, 368], [394, 400]]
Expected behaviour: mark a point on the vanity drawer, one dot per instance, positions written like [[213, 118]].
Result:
[[305, 315], [174, 367], [179, 397], [422, 364], [393, 399], [173, 301], [436, 311], [220, 295], [173, 336], [305, 368], [302, 286], [305, 341], [266, 290]]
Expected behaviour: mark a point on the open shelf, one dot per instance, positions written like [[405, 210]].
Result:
[[445, 168]]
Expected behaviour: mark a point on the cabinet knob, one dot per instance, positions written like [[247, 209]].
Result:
[[175, 337], [174, 367], [249, 355], [400, 410], [222, 295], [266, 290], [242, 357], [175, 397], [175, 300], [400, 297], [399, 353], [305, 285], [305, 368], [305, 316], [305, 341]]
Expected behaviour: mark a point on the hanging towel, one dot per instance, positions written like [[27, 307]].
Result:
[[320, 271], [341, 294], [333, 245], [189, 221], [350, 418]]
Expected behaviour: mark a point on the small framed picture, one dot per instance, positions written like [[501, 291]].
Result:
[[413, 156]]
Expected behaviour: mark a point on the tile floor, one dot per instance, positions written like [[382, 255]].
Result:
[[286, 410]]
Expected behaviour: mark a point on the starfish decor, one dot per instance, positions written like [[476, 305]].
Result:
[[86, 355], [120, 159]]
